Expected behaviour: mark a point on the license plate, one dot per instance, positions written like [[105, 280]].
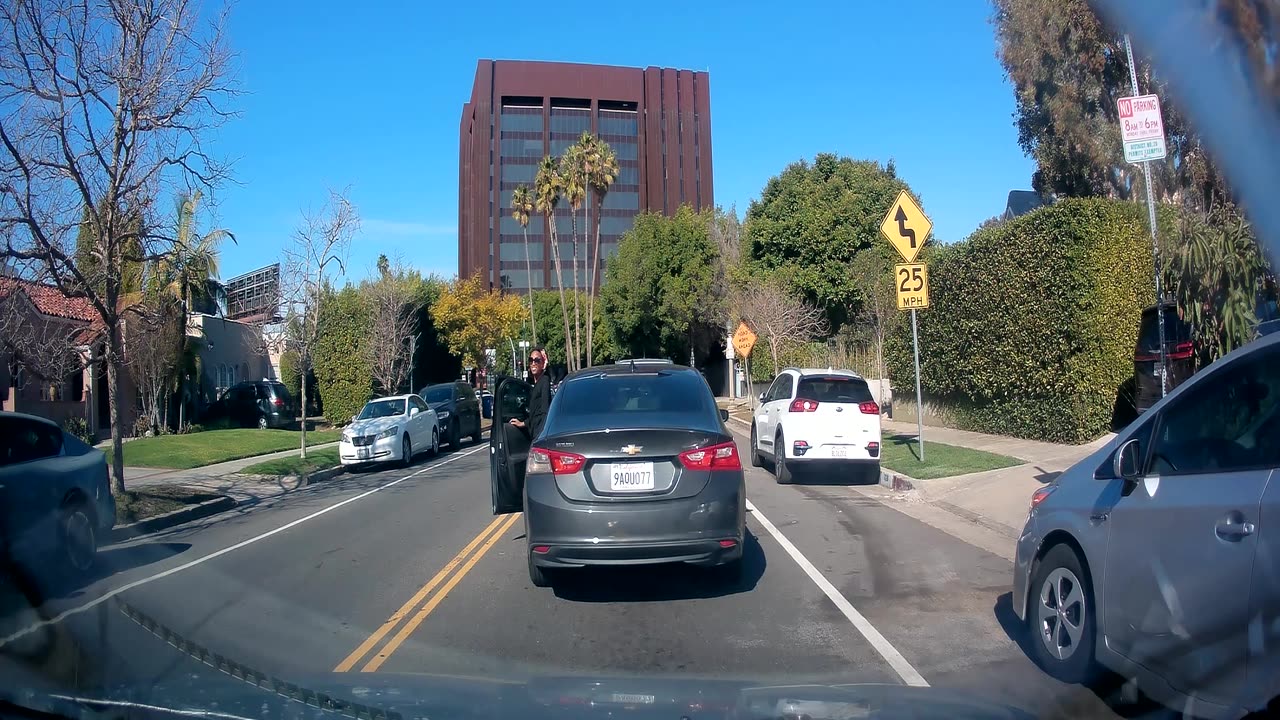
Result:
[[839, 451], [632, 699], [362, 452], [624, 477]]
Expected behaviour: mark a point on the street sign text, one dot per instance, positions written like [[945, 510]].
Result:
[[912, 283], [743, 339], [1141, 128]]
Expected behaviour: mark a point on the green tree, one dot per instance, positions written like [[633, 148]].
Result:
[[658, 294], [88, 254], [1220, 274], [573, 173], [813, 219], [342, 357], [1068, 68], [291, 372], [547, 310], [602, 170], [472, 318]]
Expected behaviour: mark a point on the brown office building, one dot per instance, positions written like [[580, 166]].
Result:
[[657, 120]]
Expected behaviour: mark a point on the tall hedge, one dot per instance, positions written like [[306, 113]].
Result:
[[1032, 322], [343, 368]]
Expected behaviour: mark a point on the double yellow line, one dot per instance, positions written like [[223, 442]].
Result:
[[462, 562]]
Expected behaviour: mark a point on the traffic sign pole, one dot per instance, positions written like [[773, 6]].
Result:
[[1155, 244], [915, 342]]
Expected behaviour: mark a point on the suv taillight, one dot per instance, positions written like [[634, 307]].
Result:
[[869, 408], [717, 457], [554, 462], [803, 405], [277, 401]]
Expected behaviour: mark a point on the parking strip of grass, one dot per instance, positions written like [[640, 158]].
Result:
[[902, 453], [214, 446], [148, 502], [294, 465]]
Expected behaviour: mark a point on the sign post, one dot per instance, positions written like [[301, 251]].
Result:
[[743, 341], [1142, 132], [906, 227]]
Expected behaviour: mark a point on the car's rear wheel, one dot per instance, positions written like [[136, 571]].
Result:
[[478, 435], [435, 441], [406, 451], [78, 538], [781, 472], [754, 449], [539, 576], [1061, 617]]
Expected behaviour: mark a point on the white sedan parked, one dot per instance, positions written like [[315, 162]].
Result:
[[390, 429]]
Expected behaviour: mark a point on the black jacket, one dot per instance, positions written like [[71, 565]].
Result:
[[539, 403]]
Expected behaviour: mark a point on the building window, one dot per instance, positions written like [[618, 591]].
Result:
[[53, 391]]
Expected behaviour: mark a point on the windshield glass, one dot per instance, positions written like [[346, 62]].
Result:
[[439, 394], [382, 408]]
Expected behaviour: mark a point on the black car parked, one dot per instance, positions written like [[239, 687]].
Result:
[[1179, 353], [457, 410], [256, 403]]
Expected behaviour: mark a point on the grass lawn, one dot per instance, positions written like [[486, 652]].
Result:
[[902, 453], [293, 465], [135, 505], [214, 446]]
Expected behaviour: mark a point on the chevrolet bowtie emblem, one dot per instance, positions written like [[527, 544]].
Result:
[[632, 449]]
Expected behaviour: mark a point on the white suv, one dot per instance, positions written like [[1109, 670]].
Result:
[[817, 418]]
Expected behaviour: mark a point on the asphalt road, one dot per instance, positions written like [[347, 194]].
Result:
[[404, 573]]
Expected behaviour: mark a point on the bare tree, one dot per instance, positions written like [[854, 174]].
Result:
[[316, 253], [393, 309], [778, 317], [104, 105], [153, 333], [872, 271]]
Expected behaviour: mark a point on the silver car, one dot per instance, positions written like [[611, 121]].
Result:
[[1155, 557], [634, 466]]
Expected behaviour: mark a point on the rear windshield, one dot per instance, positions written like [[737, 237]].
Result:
[[1175, 331], [659, 399], [834, 389]]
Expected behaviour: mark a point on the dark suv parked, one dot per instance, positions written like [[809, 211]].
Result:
[[256, 403], [457, 410], [1179, 353]]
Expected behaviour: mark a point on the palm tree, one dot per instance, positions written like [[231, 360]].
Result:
[[185, 275], [604, 171], [575, 191], [547, 187], [521, 209]]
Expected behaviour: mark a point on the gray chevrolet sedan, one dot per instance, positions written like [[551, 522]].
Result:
[[634, 466]]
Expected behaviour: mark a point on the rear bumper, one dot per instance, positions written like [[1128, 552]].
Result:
[[694, 552], [637, 532]]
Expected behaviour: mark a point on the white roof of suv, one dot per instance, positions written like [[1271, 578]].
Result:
[[824, 371]]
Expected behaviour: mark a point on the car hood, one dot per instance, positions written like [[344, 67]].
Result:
[[374, 426]]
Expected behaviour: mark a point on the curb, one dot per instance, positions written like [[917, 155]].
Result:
[[896, 482], [120, 533], [323, 475]]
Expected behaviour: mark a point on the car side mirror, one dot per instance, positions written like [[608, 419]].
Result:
[[724, 415], [413, 411], [761, 397], [353, 418], [1125, 464]]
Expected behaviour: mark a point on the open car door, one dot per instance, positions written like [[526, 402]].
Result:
[[509, 445]]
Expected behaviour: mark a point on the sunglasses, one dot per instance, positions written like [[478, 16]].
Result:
[[537, 360]]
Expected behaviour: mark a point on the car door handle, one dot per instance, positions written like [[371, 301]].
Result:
[[1233, 529]]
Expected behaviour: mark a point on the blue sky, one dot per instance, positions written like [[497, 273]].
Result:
[[368, 96]]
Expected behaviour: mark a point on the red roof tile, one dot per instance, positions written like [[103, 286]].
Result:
[[49, 300]]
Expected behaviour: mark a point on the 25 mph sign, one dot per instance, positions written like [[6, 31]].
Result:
[[1141, 128]]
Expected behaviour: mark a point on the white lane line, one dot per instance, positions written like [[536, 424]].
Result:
[[887, 651], [231, 548], [878, 641]]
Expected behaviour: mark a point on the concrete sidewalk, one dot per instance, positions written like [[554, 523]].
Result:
[[998, 499]]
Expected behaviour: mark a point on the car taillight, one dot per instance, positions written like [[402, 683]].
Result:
[[803, 405], [278, 402], [869, 408], [1181, 351], [1040, 495], [554, 462], [717, 457]]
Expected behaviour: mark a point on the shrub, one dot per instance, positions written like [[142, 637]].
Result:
[[78, 427], [342, 363], [1032, 322]]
